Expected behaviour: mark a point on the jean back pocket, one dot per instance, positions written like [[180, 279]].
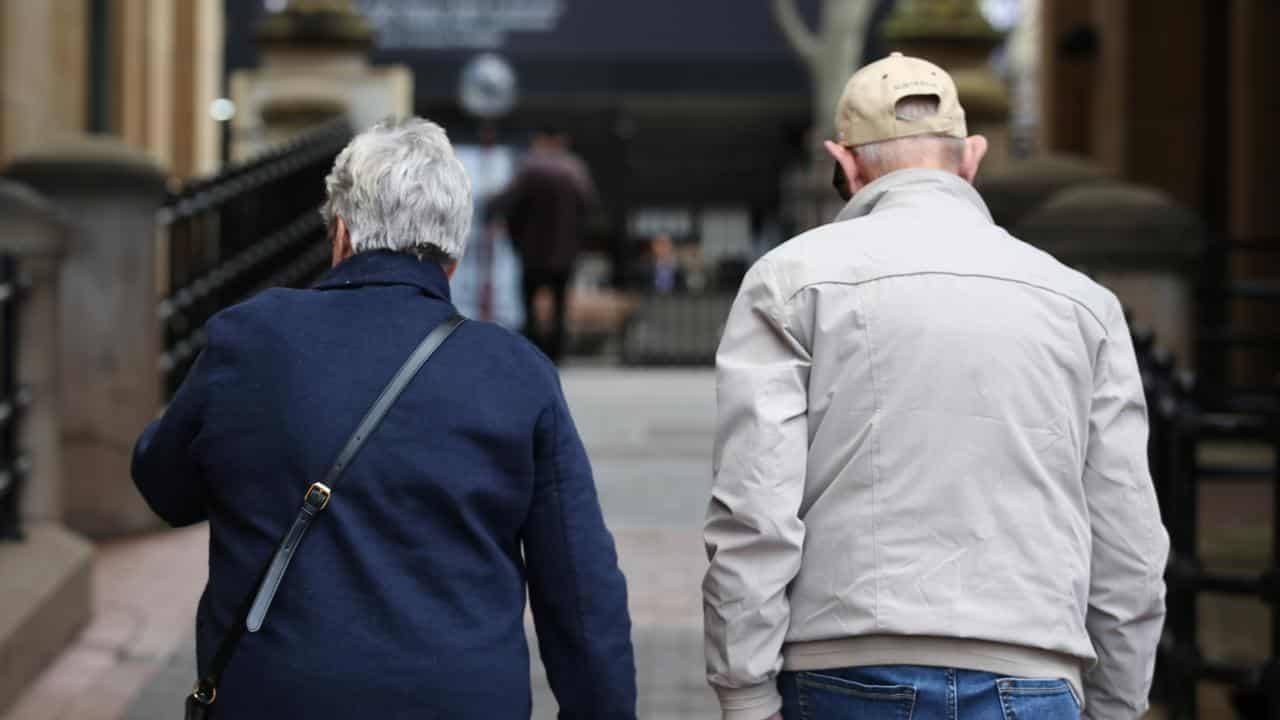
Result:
[[1033, 699], [826, 697]]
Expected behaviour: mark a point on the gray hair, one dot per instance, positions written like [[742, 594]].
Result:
[[905, 152], [398, 186]]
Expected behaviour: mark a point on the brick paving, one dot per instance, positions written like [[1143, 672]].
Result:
[[145, 591]]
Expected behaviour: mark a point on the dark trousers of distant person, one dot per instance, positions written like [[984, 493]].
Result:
[[551, 342]]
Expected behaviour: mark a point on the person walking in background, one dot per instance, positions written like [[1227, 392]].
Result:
[[662, 274], [407, 597], [545, 210], [931, 494]]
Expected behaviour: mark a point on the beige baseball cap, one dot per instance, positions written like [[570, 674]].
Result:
[[867, 109]]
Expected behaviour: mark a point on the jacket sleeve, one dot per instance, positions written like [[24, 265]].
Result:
[[164, 469], [1130, 546], [753, 531], [576, 590]]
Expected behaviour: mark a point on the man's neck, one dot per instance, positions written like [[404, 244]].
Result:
[[866, 200]]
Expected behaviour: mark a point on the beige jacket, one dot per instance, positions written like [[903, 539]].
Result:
[[931, 450]]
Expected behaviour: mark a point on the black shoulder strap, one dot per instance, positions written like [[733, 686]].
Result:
[[256, 605]]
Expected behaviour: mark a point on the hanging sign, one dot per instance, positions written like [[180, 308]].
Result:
[[458, 24]]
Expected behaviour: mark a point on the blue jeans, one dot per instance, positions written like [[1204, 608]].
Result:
[[907, 692]]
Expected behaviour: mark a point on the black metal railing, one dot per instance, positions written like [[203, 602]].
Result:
[[682, 324], [253, 226], [1181, 428], [1238, 340], [678, 329], [13, 468]]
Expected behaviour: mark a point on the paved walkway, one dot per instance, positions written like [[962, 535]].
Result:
[[649, 434]]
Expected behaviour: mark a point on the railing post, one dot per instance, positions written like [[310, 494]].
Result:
[[109, 331], [1184, 568], [13, 463], [1271, 583]]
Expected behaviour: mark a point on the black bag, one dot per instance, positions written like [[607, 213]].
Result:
[[199, 704]]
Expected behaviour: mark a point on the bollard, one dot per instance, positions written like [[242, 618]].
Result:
[[1184, 568]]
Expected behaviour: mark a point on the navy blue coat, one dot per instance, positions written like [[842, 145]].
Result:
[[406, 600]]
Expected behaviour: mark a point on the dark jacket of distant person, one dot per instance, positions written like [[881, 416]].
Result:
[[546, 206], [407, 598]]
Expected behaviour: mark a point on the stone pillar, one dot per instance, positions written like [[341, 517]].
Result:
[[1136, 241], [314, 67], [1135, 99], [44, 598], [110, 340], [166, 69], [143, 65], [1024, 185], [43, 73], [198, 47]]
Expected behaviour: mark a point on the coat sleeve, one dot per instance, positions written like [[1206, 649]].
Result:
[[576, 590], [1130, 545], [753, 533], [164, 469]]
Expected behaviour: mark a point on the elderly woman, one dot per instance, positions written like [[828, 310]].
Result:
[[406, 599]]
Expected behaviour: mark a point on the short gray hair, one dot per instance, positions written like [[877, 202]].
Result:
[[398, 186], [904, 152]]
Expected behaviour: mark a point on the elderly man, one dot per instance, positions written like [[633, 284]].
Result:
[[931, 495], [406, 599]]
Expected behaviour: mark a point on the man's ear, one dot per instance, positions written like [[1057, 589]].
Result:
[[450, 269], [975, 148], [341, 240], [844, 157]]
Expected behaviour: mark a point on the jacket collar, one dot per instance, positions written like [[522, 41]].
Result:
[[903, 183], [384, 267]]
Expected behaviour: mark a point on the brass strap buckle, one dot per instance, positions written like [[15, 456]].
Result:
[[317, 496], [198, 694]]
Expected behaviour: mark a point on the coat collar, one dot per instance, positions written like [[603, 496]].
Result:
[[900, 183], [384, 267]]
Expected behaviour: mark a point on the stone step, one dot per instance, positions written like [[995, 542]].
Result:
[[44, 602]]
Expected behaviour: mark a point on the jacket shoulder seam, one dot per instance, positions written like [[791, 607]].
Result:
[[1038, 286]]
